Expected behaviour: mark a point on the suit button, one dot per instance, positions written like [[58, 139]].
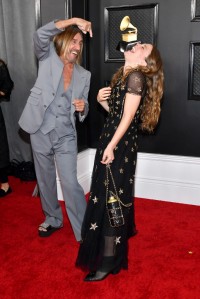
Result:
[[53, 94], [45, 106]]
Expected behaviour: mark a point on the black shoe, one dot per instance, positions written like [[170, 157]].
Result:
[[98, 276], [47, 230], [4, 193]]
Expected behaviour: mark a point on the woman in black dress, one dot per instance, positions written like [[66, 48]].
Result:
[[6, 86], [132, 101]]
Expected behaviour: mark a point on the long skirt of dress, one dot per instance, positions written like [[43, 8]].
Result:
[[99, 238]]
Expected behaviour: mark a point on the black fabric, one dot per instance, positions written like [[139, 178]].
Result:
[[6, 83], [4, 149], [25, 171], [6, 86], [3, 175], [96, 224]]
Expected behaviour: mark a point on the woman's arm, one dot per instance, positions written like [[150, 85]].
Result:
[[130, 107]]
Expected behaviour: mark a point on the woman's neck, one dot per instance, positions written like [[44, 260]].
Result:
[[128, 66]]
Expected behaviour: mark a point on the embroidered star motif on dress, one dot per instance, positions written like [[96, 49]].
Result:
[[121, 191], [126, 159], [95, 200], [93, 226], [117, 240]]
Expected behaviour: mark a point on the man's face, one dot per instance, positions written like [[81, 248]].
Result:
[[74, 49]]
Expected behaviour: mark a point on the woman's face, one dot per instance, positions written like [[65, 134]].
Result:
[[138, 53]]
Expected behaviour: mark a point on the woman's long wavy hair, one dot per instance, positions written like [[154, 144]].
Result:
[[155, 83], [63, 40]]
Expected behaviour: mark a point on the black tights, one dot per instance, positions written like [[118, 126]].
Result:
[[109, 247], [109, 255]]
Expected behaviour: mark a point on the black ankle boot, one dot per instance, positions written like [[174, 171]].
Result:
[[108, 267], [98, 276]]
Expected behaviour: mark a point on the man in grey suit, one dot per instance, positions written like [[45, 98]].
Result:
[[60, 92]]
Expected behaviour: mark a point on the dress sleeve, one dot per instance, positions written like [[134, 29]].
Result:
[[136, 83]]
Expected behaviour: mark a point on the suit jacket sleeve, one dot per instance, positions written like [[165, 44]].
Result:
[[42, 39]]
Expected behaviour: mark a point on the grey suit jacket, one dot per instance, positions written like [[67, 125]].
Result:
[[49, 74]]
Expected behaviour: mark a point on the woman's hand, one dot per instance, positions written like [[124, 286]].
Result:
[[108, 155], [103, 94]]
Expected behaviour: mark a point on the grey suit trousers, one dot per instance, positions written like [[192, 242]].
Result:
[[50, 149]]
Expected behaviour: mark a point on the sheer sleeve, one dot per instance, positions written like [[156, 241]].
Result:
[[136, 83]]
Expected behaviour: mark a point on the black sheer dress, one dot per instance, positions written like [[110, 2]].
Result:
[[99, 238]]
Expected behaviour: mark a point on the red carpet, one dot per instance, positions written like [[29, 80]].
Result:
[[164, 258]]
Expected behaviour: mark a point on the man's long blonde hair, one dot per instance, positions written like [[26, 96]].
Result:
[[63, 40]]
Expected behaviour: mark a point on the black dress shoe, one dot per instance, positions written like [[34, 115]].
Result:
[[4, 193]]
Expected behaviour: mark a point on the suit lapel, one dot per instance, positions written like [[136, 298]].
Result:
[[56, 70], [78, 81], [77, 85]]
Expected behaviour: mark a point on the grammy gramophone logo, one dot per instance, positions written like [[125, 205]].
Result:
[[129, 35], [130, 31]]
